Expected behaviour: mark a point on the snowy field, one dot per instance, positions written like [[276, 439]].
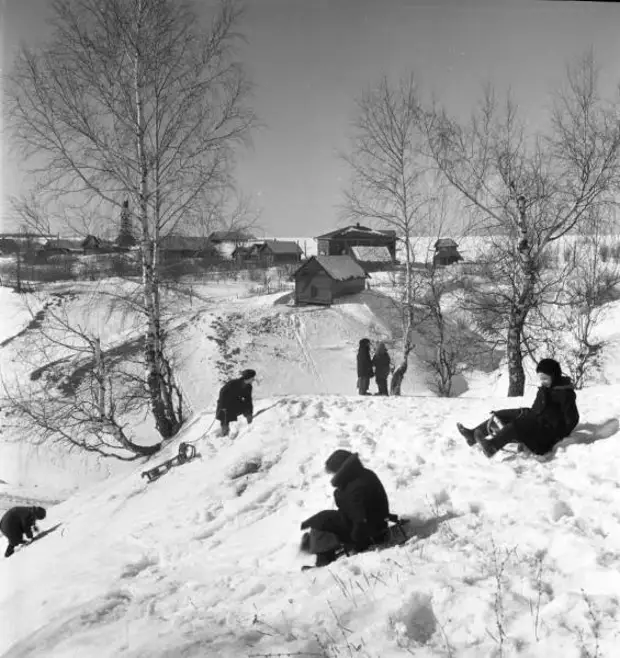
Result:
[[516, 556]]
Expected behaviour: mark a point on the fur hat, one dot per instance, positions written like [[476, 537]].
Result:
[[549, 367], [365, 342], [39, 513], [248, 374], [336, 460]]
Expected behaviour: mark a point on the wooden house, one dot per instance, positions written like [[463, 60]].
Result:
[[279, 252], [340, 241], [8, 246], [181, 246], [62, 247], [446, 252], [246, 254], [321, 279], [91, 244]]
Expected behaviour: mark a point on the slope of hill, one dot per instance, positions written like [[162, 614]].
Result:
[[513, 556]]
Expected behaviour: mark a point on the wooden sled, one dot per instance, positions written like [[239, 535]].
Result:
[[186, 453]]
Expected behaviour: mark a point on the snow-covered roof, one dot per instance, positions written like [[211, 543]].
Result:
[[339, 268], [443, 243], [358, 228], [368, 254], [281, 246]]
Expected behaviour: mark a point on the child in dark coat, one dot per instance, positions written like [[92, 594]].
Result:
[[17, 522], [235, 400], [361, 517], [552, 417], [365, 370], [381, 363]]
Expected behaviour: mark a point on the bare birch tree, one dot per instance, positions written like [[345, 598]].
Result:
[[133, 99], [389, 186], [82, 395], [530, 190]]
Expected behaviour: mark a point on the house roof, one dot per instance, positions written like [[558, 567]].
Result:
[[70, 245], [445, 242], [368, 254], [231, 236], [357, 228], [338, 268], [281, 247], [184, 243]]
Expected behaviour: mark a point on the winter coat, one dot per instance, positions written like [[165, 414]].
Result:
[[235, 400], [364, 363], [17, 522], [362, 504], [552, 417], [381, 362]]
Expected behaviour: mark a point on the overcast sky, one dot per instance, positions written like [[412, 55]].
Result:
[[310, 59]]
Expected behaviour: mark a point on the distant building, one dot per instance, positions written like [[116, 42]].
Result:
[[62, 247], [341, 241], [126, 238], [180, 246], [446, 252], [321, 279], [278, 252], [8, 246]]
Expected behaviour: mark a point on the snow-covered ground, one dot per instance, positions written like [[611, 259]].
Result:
[[513, 556], [513, 553]]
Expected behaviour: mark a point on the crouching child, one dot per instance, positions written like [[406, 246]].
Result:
[[235, 399], [20, 522], [361, 518]]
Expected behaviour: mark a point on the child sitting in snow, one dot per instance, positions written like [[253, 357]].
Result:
[[552, 417], [361, 517]]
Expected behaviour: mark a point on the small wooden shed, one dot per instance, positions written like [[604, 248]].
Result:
[[321, 279], [446, 252]]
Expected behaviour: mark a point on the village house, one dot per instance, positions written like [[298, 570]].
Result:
[[341, 241], [322, 279], [246, 254], [446, 252], [279, 252], [227, 241], [173, 247]]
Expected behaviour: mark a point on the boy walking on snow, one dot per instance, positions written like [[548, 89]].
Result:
[[235, 399]]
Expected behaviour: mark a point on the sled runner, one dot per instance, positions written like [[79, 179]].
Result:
[[187, 452], [36, 537]]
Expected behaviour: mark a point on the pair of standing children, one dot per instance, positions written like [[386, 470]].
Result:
[[377, 366]]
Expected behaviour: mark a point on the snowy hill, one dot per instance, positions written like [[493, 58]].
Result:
[[514, 553], [510, 556]]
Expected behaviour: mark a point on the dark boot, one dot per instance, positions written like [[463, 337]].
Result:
[[467, 433], [506, 435], [10, 549], [323, 559], [225, 429]]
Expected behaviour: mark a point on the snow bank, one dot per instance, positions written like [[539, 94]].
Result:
[[513, 555]]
